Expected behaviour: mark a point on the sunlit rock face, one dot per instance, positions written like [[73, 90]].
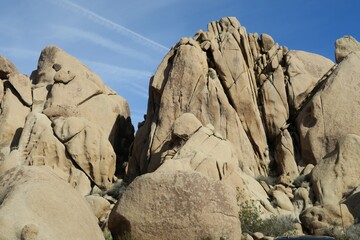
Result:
[[233, 119]]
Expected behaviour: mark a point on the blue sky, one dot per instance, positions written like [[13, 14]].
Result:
[[124, 41]]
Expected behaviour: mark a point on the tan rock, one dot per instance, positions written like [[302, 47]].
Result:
[[78, 92], [318, 220], [337, 174], [186, 83], [178, 205], [282, 200], [33, 207], [205, 153], [234, 68], [267, 42], [1, 92], [214, 157], [22, 85], [39, 147], [274, 101], [285, 158], [344, 46], [304, 70], [186, 125], [325, 119], [89, 148], [99, 205], [6, 67], [12, 119]]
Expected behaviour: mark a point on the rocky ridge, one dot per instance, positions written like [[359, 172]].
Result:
[[232, 118]]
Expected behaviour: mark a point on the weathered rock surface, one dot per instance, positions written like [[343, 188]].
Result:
[[66, 118], [15, 102], [235, 106], [320, 219], [337, 174], [178, 205], [36, 204], [326, 117], [189, 87], [304, 70], [232, 117], [345, 46], [89, 147]]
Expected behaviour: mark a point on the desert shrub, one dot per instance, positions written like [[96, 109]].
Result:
[[251, 221], [350, 233], [108, 236], [279, 226], [250, 217]]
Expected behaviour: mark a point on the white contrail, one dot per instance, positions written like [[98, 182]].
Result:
[[19, 53], [124, 72], [113, 26], [124, 75], [65, 32]]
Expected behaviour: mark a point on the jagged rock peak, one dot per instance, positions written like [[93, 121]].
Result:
[[245, 85], [240, 109]]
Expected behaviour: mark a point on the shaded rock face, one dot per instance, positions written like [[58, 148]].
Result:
[[175, 208], [66, 118]]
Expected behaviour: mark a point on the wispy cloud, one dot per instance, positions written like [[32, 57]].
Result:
[[112, 25], [21, 53], [125, 72], [65, 31], [136, 81]]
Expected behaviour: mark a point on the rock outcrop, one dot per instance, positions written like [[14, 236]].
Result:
[[234, 121], [67, 119], [37, 204], [325, 118], [345, 46], [240, 109], [60, 128], [178, 205]]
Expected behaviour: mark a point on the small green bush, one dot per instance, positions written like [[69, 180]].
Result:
[[350, 233], [251, 222], [108, 236]]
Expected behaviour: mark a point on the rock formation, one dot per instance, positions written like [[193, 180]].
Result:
[[67, 122], [233, 119], [242, 110]]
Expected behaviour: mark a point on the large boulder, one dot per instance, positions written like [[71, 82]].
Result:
[[36, 204], [337, 174], [326, 117], [89, 147], [319, 220], [176, 205]]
